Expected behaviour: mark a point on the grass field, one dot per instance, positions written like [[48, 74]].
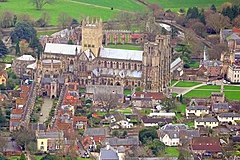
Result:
[[129, 5], [186, 84], [175, 5], [125, 46], [73, 8], [231, 92]]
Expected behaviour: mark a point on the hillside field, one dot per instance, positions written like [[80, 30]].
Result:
[[175, 5], [74, 8]]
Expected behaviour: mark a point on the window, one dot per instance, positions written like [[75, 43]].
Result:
[[41, 143]]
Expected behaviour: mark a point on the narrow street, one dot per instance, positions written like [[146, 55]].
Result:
[[46, 108]]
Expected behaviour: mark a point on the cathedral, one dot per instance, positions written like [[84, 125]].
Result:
[[92, 64]]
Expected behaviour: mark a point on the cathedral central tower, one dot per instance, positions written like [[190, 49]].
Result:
[[92, 35]]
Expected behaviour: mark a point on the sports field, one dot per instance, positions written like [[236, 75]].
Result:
[[175, 5], [74, 8]]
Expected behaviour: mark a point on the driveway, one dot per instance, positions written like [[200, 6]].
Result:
[[46, 108]]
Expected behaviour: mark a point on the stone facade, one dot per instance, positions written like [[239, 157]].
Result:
[[91, 64]]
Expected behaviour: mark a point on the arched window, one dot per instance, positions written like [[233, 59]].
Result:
[[123, 65], [129, 65], [117, 65], [105, 64], [135, 66], [111, 64]]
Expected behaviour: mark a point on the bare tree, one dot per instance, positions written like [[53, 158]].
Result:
[[215, 52], [108, 100], [7, 19], [40, 3], [64, 20], [236, 21], [24, 136], [125, 18], [199, 28], [217, 22], [26, 18], [3, 143]]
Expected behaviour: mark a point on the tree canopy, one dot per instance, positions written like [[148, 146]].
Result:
[[40, 3], [147, 134], [23, 30]]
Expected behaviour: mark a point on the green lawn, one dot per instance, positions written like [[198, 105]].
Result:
[[73, 8], [7, 58], [127, 92], [231, 92], [172, 151], [49, 33], [129, 5], [14, 157], [181, 108], [175, 5], [173, 82], [125, 46], [194, 64], [125, 111], [186, 84]]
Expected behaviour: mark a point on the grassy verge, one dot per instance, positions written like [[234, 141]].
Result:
[[186, 84]]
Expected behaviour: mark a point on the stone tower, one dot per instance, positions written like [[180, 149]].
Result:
[[92, 35], [156, 64]]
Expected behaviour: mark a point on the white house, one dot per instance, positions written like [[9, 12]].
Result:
[[170, 138], [210, 122], [118, 120], [228, 117], [198, 111]]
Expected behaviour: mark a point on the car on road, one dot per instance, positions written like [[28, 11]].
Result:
[[41, 114]]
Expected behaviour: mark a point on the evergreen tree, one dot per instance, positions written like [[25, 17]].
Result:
[[18, 51], [213, 8], [3, 48]]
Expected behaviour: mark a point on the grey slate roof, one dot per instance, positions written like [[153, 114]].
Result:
[[96, 132], [51, 134], [206, 119], [108, 154], [130, 141], [230, 114], [174, 127], [217, 106], [197, 108]]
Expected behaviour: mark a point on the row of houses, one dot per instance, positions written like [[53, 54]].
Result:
[[18, 111]]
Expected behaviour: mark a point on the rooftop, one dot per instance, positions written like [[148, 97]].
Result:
[[26, 58], [65, 49], [206, 119], [121, 54]]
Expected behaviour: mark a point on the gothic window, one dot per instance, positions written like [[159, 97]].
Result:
[[105, 64], [86, 81], [139, 83], [129, 65], [117, 65], [71, 62], [123, 65], [132, 83], [111, 64], [82, 81], [135, 66]]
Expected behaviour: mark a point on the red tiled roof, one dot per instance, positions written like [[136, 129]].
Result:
[[79, 118], [17, 111], [210, 144], [153, 95], [236, 30], [25, 88], [136, 36], [4, 74]]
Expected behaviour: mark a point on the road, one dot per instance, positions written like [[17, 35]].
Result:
[[46, 108]]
